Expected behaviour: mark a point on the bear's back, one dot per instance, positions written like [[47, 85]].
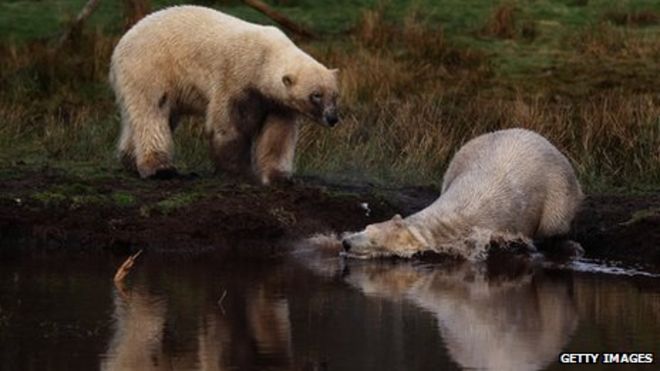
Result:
[[506, 180], [193, 46], [192, 20], [189, 29], [513, 154]]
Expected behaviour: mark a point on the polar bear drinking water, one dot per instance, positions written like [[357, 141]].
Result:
[[503, 186], [250, 81]]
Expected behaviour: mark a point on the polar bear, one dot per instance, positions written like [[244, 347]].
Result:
[[515, 320], [506, 185], [250, 81]]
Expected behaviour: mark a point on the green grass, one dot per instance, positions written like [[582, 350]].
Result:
[[418, 79], [640, 215], [76, 193], [123, 199], [70, 199], [25, 20], [175, 202]]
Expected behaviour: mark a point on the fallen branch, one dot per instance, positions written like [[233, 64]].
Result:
[[85, 12], [280, 18]]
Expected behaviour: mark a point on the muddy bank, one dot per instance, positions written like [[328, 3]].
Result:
[[50, 210], [621, 228], [55, 211]]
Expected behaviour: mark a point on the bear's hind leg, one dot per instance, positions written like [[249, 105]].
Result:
[[275, 149], [230, 138], [558, 212], [230, 150]]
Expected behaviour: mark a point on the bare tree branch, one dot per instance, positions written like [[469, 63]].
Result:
[[280, 18], [85, 12]]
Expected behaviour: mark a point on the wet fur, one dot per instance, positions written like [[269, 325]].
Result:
[[509, 185]]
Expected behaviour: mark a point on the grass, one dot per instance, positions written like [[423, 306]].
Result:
[[174, 202], [640, 215], [419, 78], [73, 198]]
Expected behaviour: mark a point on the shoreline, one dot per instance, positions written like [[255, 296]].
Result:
[[54, 211]]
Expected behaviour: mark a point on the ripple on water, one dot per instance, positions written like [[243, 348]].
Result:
[[603, 267]]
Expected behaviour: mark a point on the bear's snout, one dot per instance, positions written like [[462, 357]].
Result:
[[331, 118], [346, 245]]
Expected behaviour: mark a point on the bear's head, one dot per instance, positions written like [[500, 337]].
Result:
[[392, 237], [312, 90]]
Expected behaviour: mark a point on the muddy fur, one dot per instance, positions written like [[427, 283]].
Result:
[[249, 81], [509, 185]]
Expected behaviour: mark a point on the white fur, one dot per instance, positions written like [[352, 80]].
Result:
[[506, 185], [191, 59]]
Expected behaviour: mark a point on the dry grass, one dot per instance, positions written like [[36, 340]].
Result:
[[603, 40], [407, 112], [410, 98], [502, 22], [605, 136], [640, 18]]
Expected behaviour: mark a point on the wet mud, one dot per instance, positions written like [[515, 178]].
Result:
[[56, 212]]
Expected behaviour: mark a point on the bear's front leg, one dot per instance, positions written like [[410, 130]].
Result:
[[148, 140], [275, 149]]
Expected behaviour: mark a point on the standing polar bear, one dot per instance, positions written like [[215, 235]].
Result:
[[250, 81], [506, 185]]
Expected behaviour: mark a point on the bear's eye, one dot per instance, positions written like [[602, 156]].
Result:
[[316, 97]]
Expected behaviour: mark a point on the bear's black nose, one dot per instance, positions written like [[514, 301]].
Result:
[[331, 119], [346, 244]]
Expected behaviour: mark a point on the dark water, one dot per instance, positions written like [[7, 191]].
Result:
[[309, 313]]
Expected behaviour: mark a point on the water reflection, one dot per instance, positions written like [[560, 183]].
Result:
[[512, 320], [315, 312], [138, 332], [255, 334]]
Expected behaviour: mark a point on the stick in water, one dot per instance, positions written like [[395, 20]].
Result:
[[125, 268]]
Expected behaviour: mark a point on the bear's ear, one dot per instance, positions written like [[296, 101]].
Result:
[[335, 71], [288, 80]]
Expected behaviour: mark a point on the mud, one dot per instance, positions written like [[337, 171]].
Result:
[[51, 210]]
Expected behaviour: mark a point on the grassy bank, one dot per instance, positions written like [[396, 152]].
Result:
[[418, 80]]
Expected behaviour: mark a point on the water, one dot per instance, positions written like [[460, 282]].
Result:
[[315, 313]]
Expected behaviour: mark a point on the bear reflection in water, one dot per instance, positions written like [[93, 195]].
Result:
[[254, 328], [490, 315], [488, 320]]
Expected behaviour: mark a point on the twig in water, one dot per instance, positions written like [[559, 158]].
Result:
[[125, 268], [222, 297]]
